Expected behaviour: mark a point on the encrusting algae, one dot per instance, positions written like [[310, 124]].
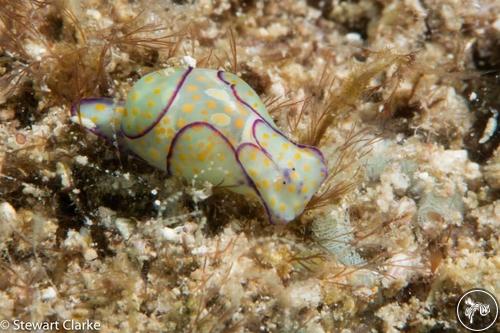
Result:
[[400, 97]]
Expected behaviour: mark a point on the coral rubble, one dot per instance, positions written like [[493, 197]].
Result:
[[400, 95]]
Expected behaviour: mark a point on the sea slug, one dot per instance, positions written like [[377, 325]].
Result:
[[210, 125]]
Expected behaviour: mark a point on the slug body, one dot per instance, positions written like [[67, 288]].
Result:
[[209, 125]]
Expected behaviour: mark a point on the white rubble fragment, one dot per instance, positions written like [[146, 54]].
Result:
[[263, 32], [7, 213], [90, 254], [124, 227], [74, 240], [37, 51], [200, 251], [394, 176], [202, 194], [32, 190], [399, 268], [188, 239], [277, 89], [8, 218], [82, 160], [93, 13], [277, 30], [491, 127], [454, 162], [64, 173], [354, 38], [496, 25], [304, 294], [170, 235], [48, 294], [188, 61]]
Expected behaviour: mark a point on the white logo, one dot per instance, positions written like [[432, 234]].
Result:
[[472, 307], [477, 310]]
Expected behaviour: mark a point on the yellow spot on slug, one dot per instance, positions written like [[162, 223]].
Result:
[[149, 79], [188, 108], [282, 208], [135, 111], [220, 119], [154, 154], [157, 91], [297, 156], [150, 103], [201, 78], [285, 146], [278, 186], [160, 130], [239, 123], [100, 107], [265, 136], [252, 172], [273, 202], [148, 115], [165, 120], [307, 167], [191, 87], [94, 119], [211, 104], [202, 156], [181, 122], [196, 97]]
